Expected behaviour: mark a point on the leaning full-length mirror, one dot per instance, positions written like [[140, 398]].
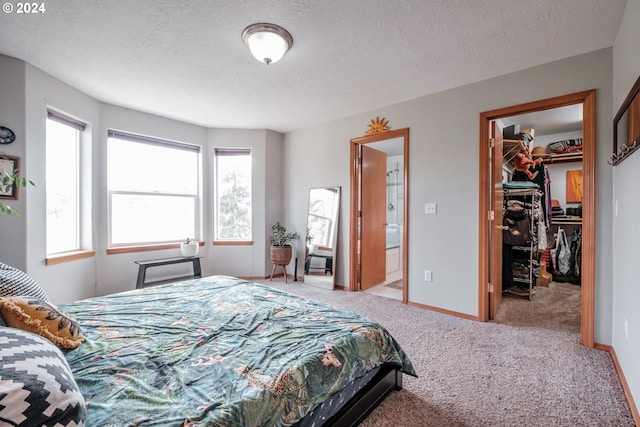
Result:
[[322, 237]]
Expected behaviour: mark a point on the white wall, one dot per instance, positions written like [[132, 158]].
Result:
[[626, 193], [67, 281], [266, 156], [319, 157], [443, 168], [13, 244]]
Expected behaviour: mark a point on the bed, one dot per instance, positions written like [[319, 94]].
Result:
[[228, 352]]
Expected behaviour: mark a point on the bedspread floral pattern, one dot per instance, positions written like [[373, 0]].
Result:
[[218, 351]]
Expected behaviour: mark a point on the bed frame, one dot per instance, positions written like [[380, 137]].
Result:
[[354, 411], [358, 408]]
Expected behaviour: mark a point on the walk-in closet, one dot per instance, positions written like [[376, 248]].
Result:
[[542, 202]]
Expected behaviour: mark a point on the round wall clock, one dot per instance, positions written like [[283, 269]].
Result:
[[6, 135]]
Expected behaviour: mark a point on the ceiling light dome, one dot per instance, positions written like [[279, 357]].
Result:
[[267, 42]]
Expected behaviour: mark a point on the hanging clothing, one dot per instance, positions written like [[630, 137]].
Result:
[[541, 177]]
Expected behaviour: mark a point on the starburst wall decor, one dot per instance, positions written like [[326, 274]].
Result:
[[378, 126]]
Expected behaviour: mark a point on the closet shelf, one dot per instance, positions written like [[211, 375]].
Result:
[[566, 221], [563, 158], [511, 147]]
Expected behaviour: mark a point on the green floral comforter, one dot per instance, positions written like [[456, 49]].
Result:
[[218, 351]]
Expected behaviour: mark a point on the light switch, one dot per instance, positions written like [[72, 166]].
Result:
[[430, 208]]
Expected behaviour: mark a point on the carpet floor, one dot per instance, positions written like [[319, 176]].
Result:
[[526, 368]]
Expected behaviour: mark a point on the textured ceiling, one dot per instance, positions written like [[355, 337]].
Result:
[[186, 60]]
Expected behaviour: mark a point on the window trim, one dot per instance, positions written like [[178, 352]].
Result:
[[66, 120], [68, 256], [78, 252], [151, 140]]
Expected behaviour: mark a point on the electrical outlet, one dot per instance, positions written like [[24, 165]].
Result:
[[427, 275], [430, 208]]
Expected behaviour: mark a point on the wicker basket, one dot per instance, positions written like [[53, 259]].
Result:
[[281, 255]]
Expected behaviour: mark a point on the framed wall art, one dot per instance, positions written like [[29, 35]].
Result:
[[574, 186], [9, 167]]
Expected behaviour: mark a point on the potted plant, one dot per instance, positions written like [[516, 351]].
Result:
[[8, 180], [189, 248], [311, 248], [281, 244]]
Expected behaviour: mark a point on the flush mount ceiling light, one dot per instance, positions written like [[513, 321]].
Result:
[[267, 42]]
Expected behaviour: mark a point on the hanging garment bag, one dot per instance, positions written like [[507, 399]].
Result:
[[542, 230], [574, 260], [561, 253]]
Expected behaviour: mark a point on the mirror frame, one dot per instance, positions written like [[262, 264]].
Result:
[[623, 149], [314, 279]]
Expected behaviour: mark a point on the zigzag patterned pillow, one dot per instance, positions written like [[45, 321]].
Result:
[[17, 282], [37, 387]]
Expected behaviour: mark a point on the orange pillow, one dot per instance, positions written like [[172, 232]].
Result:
[[43, 318]]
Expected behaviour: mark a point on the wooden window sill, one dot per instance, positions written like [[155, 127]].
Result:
[[233, 242], [142, 248], [68, 256]]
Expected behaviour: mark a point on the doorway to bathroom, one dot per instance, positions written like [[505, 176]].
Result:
[[379, 214]]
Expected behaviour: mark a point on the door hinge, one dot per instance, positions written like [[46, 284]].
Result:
[[490, 288], [492, 215], [359, 214], [492, 142], [358, 274]]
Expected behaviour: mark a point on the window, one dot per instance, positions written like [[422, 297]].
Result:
[[63, 183], [154, 190], [233, 194]]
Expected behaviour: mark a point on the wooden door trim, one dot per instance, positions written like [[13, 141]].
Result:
[[587, 301], [353, 207]]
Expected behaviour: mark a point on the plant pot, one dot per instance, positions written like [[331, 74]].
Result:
[[189, 249], [312, 248], [281, 255]]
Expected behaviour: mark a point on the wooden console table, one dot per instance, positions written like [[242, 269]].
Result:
[[143, 265]]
